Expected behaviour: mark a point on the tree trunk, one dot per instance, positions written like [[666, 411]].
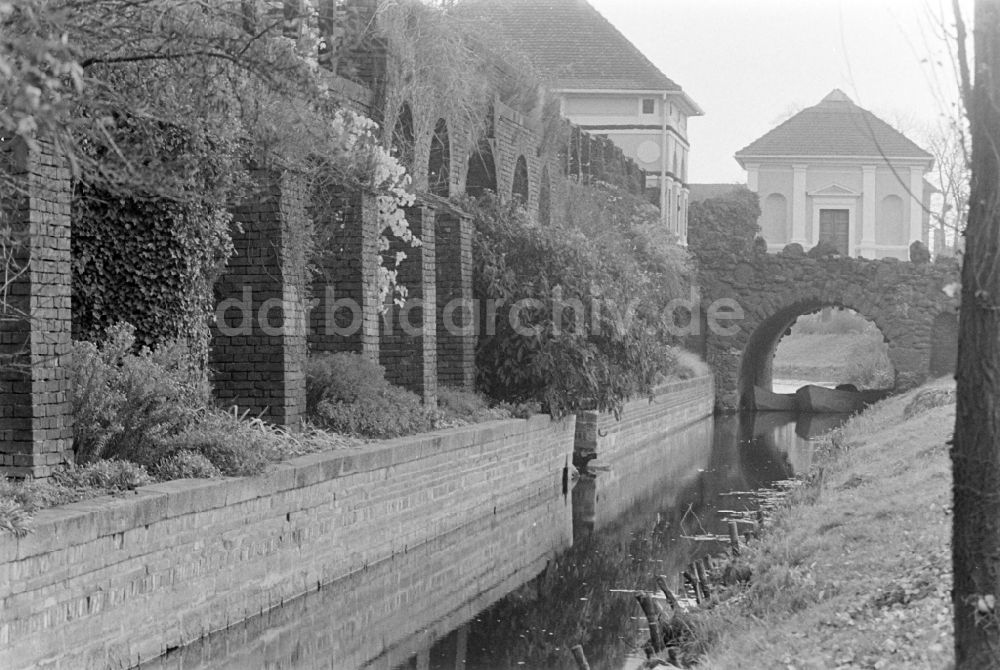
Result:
[[976, 450]]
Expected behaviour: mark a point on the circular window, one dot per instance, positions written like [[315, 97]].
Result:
[[648, 151]]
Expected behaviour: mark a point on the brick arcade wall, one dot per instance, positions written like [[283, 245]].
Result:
[[112, 581], [345, 312], [36, 421], [408, 342], [258, 349]]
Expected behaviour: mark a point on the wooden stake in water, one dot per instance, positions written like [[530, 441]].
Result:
[[690, 575], [703, 578], [661, 582], [734, 537], [580, 658], [652, 618]]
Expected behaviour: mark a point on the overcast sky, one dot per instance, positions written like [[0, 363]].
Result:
[[750, 63]]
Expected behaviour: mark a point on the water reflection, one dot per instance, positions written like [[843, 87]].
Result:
[[509, 592], [583, 598]]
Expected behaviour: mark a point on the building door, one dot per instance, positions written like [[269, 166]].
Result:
[[834, 228]]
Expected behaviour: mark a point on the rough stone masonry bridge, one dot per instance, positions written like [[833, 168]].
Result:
[[907, 301]]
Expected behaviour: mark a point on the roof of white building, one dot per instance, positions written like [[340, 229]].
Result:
[[835, 127]]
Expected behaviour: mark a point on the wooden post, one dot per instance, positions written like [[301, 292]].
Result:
[[580, 658], [661, 582], [652, 618], [702, 578], [734, 538], [692, 578]]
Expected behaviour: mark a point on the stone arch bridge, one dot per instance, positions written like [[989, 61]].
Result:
[[912, 304]]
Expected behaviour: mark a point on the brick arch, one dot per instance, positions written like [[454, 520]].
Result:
[[439, 161], [519, 188], [772, 290], [403, 137], [544, 197], [482, 170]]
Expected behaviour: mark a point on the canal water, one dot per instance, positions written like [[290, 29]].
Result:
[[517, 590]]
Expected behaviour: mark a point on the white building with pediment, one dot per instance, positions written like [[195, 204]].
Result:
[[836, 172]]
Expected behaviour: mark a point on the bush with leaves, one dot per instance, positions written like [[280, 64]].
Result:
[[590, 295], [232, 444], [125, 403], [348, 393], [19, 500], [727, 224]]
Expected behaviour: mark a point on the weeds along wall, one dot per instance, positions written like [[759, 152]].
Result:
[[115, 581]]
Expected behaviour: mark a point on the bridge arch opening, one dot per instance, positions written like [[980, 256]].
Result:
[[829, 343]]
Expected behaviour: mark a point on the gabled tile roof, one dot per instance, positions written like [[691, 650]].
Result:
[[834, 127], [571, 44]]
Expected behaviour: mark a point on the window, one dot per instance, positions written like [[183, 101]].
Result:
[[649, 105]]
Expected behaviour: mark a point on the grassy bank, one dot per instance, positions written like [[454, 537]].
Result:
[[856, 358], [856, 572]]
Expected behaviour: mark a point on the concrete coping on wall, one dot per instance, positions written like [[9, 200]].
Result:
[[84, 521]]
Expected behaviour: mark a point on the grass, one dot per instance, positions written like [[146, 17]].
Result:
[[855, 572], [841, 347], [857, 358]]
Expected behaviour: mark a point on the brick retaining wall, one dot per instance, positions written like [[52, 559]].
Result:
[[111, 581], [379, 618], [667, 434], [673, 405]]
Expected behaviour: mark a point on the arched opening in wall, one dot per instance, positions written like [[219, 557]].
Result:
[[439, 165], [544, 198], [944, 344], [890, 228], [482, 174], [403, 141], [520, 188], [813, 342], [774, 219]]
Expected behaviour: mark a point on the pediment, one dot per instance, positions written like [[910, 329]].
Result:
[[834, 190]]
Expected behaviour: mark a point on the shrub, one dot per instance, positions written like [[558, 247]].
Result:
[[463, 407], [124, 403], [727, 224], [235, 446], [596, 331], [106, 475], [20, 499], [688, 365], [186, 464], [348, 393]]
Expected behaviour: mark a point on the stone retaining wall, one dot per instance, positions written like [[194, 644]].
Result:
[[112, 581]]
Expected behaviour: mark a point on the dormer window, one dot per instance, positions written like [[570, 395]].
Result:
[[649, 105]]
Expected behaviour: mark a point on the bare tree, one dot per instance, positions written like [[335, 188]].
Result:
[[949, 207], [976, 451]]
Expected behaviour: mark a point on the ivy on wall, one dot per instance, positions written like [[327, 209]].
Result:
[[150, 262]]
